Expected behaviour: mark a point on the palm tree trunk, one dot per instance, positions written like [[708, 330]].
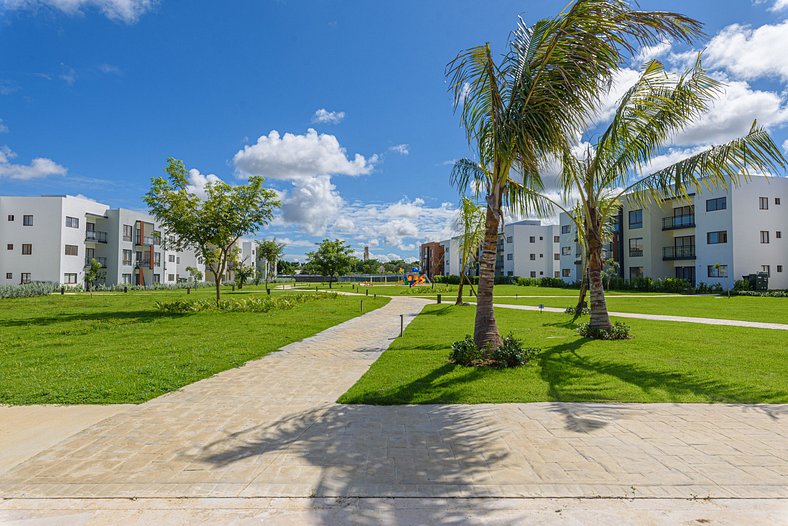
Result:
[[581, 298], [485, 329], [599, 316], [459, 289]]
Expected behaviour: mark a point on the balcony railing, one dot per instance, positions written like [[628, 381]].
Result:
[[678, 252], [676, 222], [96, 236], [102, 261], [635, 252], [146, 240]]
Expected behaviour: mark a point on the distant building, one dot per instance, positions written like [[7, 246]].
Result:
[[431, 259], [366, 253], [530, 250]]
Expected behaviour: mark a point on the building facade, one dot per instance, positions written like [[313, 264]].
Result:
[[431, 259], [530, 250]]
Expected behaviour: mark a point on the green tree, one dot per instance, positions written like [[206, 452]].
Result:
[[195, 273], [471, 221], [213, 225], [92, 274], [286, 267], [657, 107], [243, 273], [521, 109], [331, 259], [270, 251]]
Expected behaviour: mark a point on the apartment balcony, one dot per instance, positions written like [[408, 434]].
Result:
[[146, 240], [95, 236], [102, 261], [678, 252], [676, 222]]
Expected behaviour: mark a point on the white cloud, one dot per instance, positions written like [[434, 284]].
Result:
[[299, 156], [623, 79], [785, 146], [779, 5], [198, 181], [128, 11], [38, 167], [671, 156], [402, 149], [68, 74], [323, 116], [751, 53], [3, 127], [651, 52], [109, 69], [313, 203]]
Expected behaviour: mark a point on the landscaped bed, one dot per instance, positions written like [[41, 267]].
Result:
[[664, 362], [119, 348]]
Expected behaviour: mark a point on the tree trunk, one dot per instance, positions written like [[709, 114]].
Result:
[[599, 316], [485, 329], [218, 284], [581, 298]]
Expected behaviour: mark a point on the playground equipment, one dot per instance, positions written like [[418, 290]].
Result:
[[414, 277]]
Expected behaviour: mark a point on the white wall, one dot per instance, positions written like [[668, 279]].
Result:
[[518, 248]]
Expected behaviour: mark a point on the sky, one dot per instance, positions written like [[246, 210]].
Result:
[[341, 104]]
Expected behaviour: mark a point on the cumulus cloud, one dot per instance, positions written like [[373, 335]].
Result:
[[128, 11], [295, 157], [323, 116], [312, 204], [779, 5], [401, 149], [751, 53], [109, 69], [38, 167], [623, 79], [785, 146], [651, 52], [198, 182]]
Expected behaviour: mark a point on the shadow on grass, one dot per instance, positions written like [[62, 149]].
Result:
[[137, 316]]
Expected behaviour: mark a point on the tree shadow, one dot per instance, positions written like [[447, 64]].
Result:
[[136, 316]]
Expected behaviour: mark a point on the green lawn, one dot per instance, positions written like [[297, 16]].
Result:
[[746, 308], [665, 362], [117, 348]]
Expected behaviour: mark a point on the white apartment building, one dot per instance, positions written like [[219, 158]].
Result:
[[54, 238], [531, 250], [714, 236], [452, 256]]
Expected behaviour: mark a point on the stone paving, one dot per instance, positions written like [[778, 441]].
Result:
[[271, 429]]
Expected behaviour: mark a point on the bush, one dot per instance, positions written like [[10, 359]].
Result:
[[465, 352], [741, 285], [619, 331], [556, 283], [770, 294], [584, 310], [511, 353], [28, 290], [262, 304]]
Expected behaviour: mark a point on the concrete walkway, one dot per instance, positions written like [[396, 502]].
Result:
[[271, 430], [662, 317]]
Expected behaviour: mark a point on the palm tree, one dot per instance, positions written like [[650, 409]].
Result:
[[271, 252], [521, 109], [471, 220], [658, 106]]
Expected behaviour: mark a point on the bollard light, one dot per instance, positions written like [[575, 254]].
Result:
[[367, 292], [401, 324], [362, 305], [188, 290], [268, 291], [125, 289], [439, 299], [62, 290]]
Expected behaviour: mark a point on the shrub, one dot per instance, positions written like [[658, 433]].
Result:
[[511, 353], [28, 290], [741, 285], [557, 283], [584, 310], [619, 331], [261, 304], [769, 294], [465, 352]]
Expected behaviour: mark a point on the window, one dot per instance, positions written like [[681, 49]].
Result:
[[541, 256], [763, 203], [566, 272], [9, 275], [510, 273], [157, 278], [72, 222], [556, 239], [779, 268], [764, 236], [777, 200], [171, 259], [541, 238], [25, 277], [556, 257], [565, 229], [635, 272], [509, 257], [767, 269], [778, 234], [9, 246], [27, 220], [126, 278], [636, 247], [713, 205], [636, 218], [566, 251], [72, 250], [718, 271], [533, 273], [157, 259], [10, 217], [178, 260], [715, 238], [509, 239], [170, 277], [27, 249], [128, 232], [532, 257], [532, 239], [70, 278], [126, 257]]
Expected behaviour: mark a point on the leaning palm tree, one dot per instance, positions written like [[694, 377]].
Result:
[[652, 111], [471, 221], [521, 108]]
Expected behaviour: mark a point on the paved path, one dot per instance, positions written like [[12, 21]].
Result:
[[662, 317], [271, 429]]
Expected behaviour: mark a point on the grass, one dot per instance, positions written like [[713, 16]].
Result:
[[665, 362], [745, 308], [117, 348]]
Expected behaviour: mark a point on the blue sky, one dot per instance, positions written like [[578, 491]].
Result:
[[96, 94]]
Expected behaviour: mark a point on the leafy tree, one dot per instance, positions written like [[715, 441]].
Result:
[[471, 220], [331, 259], [652, 111], [213, 225], [270, 251], [286, 267], [92, 274], [370, 266], [243, 273], [523, 108], [195, 273]]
